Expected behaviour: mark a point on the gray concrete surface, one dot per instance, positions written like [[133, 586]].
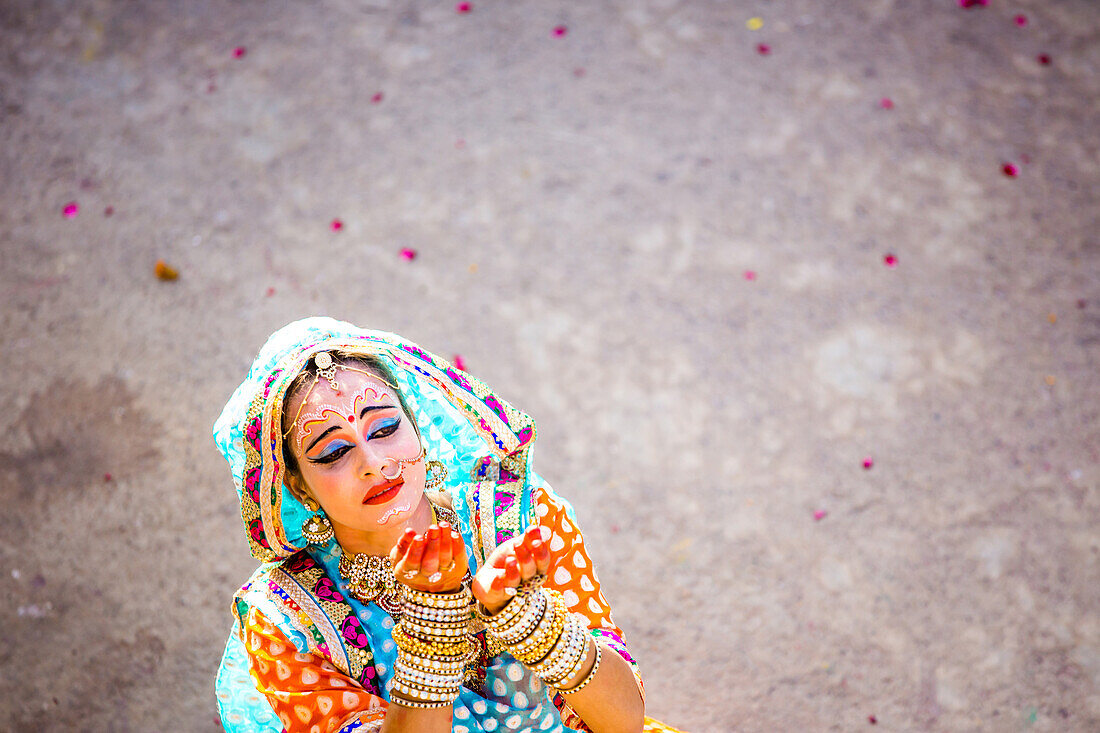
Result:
[[584, 209]]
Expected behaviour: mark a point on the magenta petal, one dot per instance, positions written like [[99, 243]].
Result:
[[763, 49], [560, 31], [460, 362], [239, 51], [376, 98], [1021, 20], [463, 8], [886, 103], [1044, 59], [868, 462], [336, 225], [820, 514], [71, 210], [750, 274], [1010, 170], [890, 261], [408, 254]]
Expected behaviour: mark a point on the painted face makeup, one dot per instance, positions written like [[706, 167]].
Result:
[[358, 453]]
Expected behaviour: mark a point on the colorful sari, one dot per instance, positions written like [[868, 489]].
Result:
[[303, 653]]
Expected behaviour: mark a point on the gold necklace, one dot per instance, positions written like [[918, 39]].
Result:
[[370, 578]]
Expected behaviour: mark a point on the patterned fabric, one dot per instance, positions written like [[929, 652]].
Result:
[[321, 658]]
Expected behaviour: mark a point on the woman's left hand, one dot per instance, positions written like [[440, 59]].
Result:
[[434, 562], [513, 562]]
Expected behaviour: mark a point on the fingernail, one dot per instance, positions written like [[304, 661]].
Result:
[[444, 525], [454, 535], [537, 544], [418, 538]]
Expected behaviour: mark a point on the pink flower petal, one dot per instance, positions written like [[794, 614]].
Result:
[[239, 51], [109, 211], [460, 143], [967, 4], [408, 254], [890, 261], [750, 274], [560, 31], [872, 720], [578, 72], [107, 477], [71, 210], [376, 98], [1010, 170], [336, 225], [763, 49], [1044, 59], [463, 8], [269, 292], [459, 362], [1020, 20], [886, 103], [820, 514], [868, 463]]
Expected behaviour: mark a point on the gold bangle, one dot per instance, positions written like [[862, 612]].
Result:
[[407, 643], [453, 600], [545, 635]]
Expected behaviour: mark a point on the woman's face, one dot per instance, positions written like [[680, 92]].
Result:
[[357, 451]]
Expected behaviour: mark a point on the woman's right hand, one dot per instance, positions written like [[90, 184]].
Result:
[[417, 558]]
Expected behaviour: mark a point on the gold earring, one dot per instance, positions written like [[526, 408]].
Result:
[[317, 529], [435, 473]]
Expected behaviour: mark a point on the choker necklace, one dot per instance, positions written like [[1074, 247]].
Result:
[[370, 578]]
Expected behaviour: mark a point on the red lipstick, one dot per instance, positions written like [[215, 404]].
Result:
[[383, 492]]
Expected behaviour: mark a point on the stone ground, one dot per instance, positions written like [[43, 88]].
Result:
[[585, 209]]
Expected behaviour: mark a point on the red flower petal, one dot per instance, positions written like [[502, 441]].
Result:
[[109, 211], [336, 225], [463, 8], [1010, 170], [459, 362], [1044, 59], [578, 72], [71, 210], [886, 103], [763, 49], [107, 477], [890, 261], [820, 514], [872, 720], [408, 254], [270, 292], [376, 98], [967, 4], [560, 31], [1021, 20], [239, 51], [868, 463]]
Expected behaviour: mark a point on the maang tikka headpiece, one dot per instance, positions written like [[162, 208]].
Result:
[[326, 368]]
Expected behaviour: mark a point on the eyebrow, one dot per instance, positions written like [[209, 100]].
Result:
[[330, 428]]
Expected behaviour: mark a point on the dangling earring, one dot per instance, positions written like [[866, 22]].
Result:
[[317, 529], [435, 473]]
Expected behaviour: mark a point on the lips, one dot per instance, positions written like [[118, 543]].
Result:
[[383, 492]]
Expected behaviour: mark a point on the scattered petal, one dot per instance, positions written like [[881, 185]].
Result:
[[463, 8], [868, 463], [890, 261], [211, 88], [560, 31], [1081, 303], [763, 49], [269, 292], [459, 362], [886, 103], [614, 529], [1021, 20], [967, 4], [578, 72], [872, 720], [376, 98], [336, 225], [754, 24], [820, 514], [472, 268], [460, 143], [71, 210], [1050, 379], [109, 211], [1052, 317], [1044, 59], [1010, 170], [164, 272], [106, 477], [239, 52], [750, 274], [408, 254]]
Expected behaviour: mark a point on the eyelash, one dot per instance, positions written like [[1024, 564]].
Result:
[[383, 432]]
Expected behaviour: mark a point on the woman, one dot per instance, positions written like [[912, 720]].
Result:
[[418, 575]]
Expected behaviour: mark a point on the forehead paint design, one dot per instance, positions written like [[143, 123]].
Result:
[[321, 414]]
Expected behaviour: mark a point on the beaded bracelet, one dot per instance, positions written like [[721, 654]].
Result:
[[455, 600], [545, 635], [419, 697], [588, 677], [563, 656], [407, 643], [439, 633], [526, 623]]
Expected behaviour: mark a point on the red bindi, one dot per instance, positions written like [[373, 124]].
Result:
[[351, 418]]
